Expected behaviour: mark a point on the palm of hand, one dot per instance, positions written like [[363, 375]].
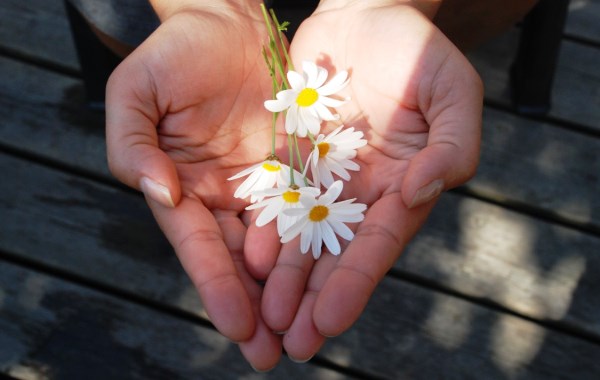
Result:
[[401, 72], [202, 80]]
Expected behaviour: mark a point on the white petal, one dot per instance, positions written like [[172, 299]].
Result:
[[284, 222], [350, 165], [294, 230], [284, 99], [314, 167], [321, 77], [291, 120], [309, 191], [347, 208], [317, 240], [331, 242], [325, 173], [344, 135], [338, 169], [331, 136], [351, 144], [296, 211], [309, 120], [311, 72], [274, 191], [332, 193], [335, 84], [296, 80], [314, 127], [341, 229], [270, 212], [324, 113], [305, 239], [307, 201], [245, 172], [259, 204], [248, 185], [330, 102], [350, 218]]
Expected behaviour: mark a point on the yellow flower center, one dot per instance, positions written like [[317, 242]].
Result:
[[307, 97], [323, 149], [271, 168], [318, 213], [291, 196]]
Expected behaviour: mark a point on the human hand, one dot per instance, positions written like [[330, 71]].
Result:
[[419, 103], [185, 112]]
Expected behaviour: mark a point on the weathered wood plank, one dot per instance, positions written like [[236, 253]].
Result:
[[43, 114], [582, 20], [38, 29], [532, 267], [540, 165], [576, 89], [66, 222], [107, 236], [419, 334], [51, 329]]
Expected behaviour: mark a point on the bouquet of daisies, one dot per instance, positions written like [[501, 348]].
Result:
[[291, 196]]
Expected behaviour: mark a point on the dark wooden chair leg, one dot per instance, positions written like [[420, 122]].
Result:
[[96, 60], [532, 73]]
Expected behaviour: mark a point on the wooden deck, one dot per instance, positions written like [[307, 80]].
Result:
[[502, 283]]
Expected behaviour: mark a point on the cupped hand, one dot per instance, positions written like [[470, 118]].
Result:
[[184, 113], [419, 103]]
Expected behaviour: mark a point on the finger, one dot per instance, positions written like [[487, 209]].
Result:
[[303, 340], [198, 241], [379, 240], [262, 247], [452, 106], [132, 116], [263, 349], [285, 286]]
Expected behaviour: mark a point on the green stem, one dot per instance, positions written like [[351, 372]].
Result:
[[300, 163], [291, 151], [273, 46], [280, 29]]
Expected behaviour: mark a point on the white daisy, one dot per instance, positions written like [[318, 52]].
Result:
[[262, 176], [321, 219], [307, 101], [333, 155], [281, 198]]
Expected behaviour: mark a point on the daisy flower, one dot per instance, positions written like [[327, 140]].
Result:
[[321, 219], [279, 199], [333, 155], [261, 176], [307, 100]]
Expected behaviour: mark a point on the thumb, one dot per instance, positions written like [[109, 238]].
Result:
[[132, 116], [452, 152], [435, 169]]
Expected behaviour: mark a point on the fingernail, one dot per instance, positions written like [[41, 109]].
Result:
[[156, 191], [299, 361], [427, 193], [261, 370]]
